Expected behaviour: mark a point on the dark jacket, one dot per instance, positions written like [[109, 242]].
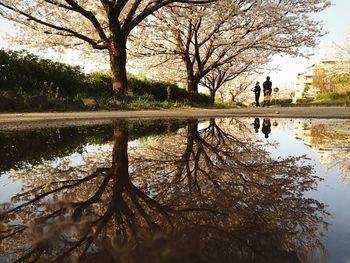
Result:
[[257, 89], [267, 85]]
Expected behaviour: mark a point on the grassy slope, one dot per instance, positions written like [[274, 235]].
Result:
[[335, 98]]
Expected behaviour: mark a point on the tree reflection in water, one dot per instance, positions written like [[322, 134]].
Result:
[[198, 195]]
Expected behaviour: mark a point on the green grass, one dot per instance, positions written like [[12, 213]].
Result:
[[218, 105], [144, 104], [141, 103], [335, 98]]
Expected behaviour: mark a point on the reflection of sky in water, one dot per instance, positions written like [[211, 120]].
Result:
[[11, 187], [282, 142], [331, 191], [8, 187]]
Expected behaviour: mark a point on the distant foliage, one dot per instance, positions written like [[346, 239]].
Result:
[[156, 88], [97, 85], [336, 97], [282, 102], [337, 92], [342, 83], [29, 74], [159, 90], [304, 100]]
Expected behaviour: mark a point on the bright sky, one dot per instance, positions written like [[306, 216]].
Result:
[[335, 21]]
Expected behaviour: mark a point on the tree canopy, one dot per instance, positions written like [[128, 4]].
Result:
[[101, 25], [227, 38], [205, 35]]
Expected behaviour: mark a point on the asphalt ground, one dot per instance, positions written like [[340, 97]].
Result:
[[9, 121]]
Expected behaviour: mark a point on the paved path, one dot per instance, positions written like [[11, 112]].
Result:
[[49, 119]]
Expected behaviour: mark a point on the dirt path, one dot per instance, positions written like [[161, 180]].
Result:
[[58, 119]]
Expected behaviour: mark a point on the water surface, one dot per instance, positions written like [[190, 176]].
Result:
[[216, 190]]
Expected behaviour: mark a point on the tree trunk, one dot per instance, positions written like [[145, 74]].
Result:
[[233, 97], [117, 55], [192, 82], [193, 89], [120, 152], [192, 134], [212, 95]]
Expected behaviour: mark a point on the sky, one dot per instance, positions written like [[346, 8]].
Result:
[[335, 21]]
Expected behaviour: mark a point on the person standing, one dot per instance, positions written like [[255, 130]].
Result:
[[267, 86], [257, 90]]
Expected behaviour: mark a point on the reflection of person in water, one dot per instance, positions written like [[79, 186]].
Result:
[[266, 127], [256, 124]]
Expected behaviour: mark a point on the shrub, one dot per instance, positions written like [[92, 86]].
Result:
[[304, 100], [26, 73], [158, 89], [29, 75], [334, 98], [282, 102], [97, 85]]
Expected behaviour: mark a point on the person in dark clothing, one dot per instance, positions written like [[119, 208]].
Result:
[[256, 90], [256, 124], [267, 86], [266, 127]]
